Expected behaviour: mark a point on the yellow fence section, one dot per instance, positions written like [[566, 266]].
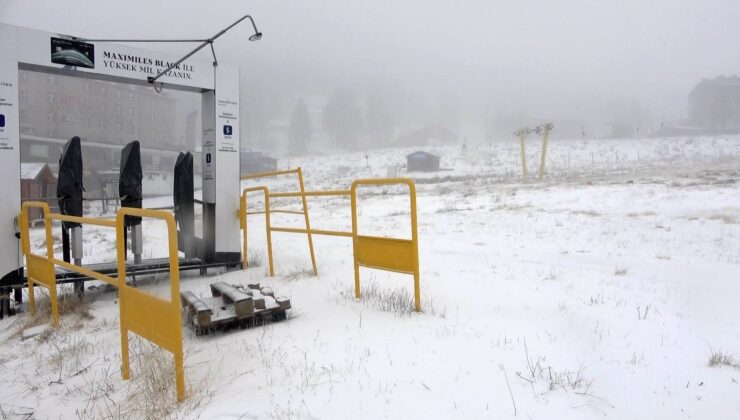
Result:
[[41, 269], [146, 315], [243, 224], [392, 254], [301, 193], [152, 318]]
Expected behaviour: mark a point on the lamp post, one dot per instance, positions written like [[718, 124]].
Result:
[[209, 41]]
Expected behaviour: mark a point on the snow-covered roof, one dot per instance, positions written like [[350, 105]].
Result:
[[31, 170], [420, 154]]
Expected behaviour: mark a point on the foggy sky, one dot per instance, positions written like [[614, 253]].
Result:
[[560, 59]]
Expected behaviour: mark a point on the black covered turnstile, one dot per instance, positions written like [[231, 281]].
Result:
[[69, 196], [131, 195], [183, 198]]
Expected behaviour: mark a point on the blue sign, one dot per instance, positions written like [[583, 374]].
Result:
[[208, 158], [2, 120], [227, 130]]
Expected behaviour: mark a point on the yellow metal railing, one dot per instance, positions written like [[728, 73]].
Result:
[[152, 318], [146, 315], [391, 254], [243, 223], [40, 269], [301, 193]]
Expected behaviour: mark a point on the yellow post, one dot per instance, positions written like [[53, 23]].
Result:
[[415, 245], [308, 224], [175, 302], [26, 250], [50, 256], [522, 136], [121, 257], [47, 276], [547, 128], [268, 230], [180, 374], [243, 223], [400, 255], [355, 241], [148, 316]]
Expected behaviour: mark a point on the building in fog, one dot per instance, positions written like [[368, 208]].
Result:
[[431, 135], [105, 115], [714, 104], [38, 183]]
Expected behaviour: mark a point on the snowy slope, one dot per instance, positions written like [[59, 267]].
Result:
[[599, 291]]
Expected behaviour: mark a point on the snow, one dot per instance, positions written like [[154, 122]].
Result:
[[31, 170], [599, 291]]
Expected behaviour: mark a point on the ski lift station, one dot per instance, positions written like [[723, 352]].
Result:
[[122, 114], [123, 73]]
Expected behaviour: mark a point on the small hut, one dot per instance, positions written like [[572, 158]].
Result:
[[38, 183], [422, 161]]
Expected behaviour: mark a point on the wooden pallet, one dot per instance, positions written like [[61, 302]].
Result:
[[233, 307]]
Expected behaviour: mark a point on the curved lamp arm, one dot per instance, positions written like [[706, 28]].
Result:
[[151, 79]]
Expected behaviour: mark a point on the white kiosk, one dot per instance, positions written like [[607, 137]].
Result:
[[27, 49]]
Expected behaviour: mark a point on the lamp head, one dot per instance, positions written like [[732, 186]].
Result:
[[256, 37]]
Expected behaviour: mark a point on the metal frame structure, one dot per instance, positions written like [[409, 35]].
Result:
[[390, 254], [155, 319], [208, 41], [543, 129], [27, 49]]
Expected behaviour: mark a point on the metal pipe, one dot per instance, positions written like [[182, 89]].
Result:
[[286, 211], [308, 223], [311, 193], [522, 136], [138, 40], [312, 231], [266, 174], [547, 128], [203, 44], [83, 220]]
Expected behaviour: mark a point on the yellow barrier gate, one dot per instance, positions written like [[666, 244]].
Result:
[[41, 269], [152, 318], [243, 224], [302, 193], [391, 254]]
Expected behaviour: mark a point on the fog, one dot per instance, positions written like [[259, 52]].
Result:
[[402, 65]]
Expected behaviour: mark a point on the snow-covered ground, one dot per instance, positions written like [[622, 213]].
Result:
[[599, 291]]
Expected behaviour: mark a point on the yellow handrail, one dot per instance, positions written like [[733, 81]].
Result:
[[243, 221], [151, 317], [387, 253], [268, 196], [269, 174], [393, 254], [155, 319], [40, 269]]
